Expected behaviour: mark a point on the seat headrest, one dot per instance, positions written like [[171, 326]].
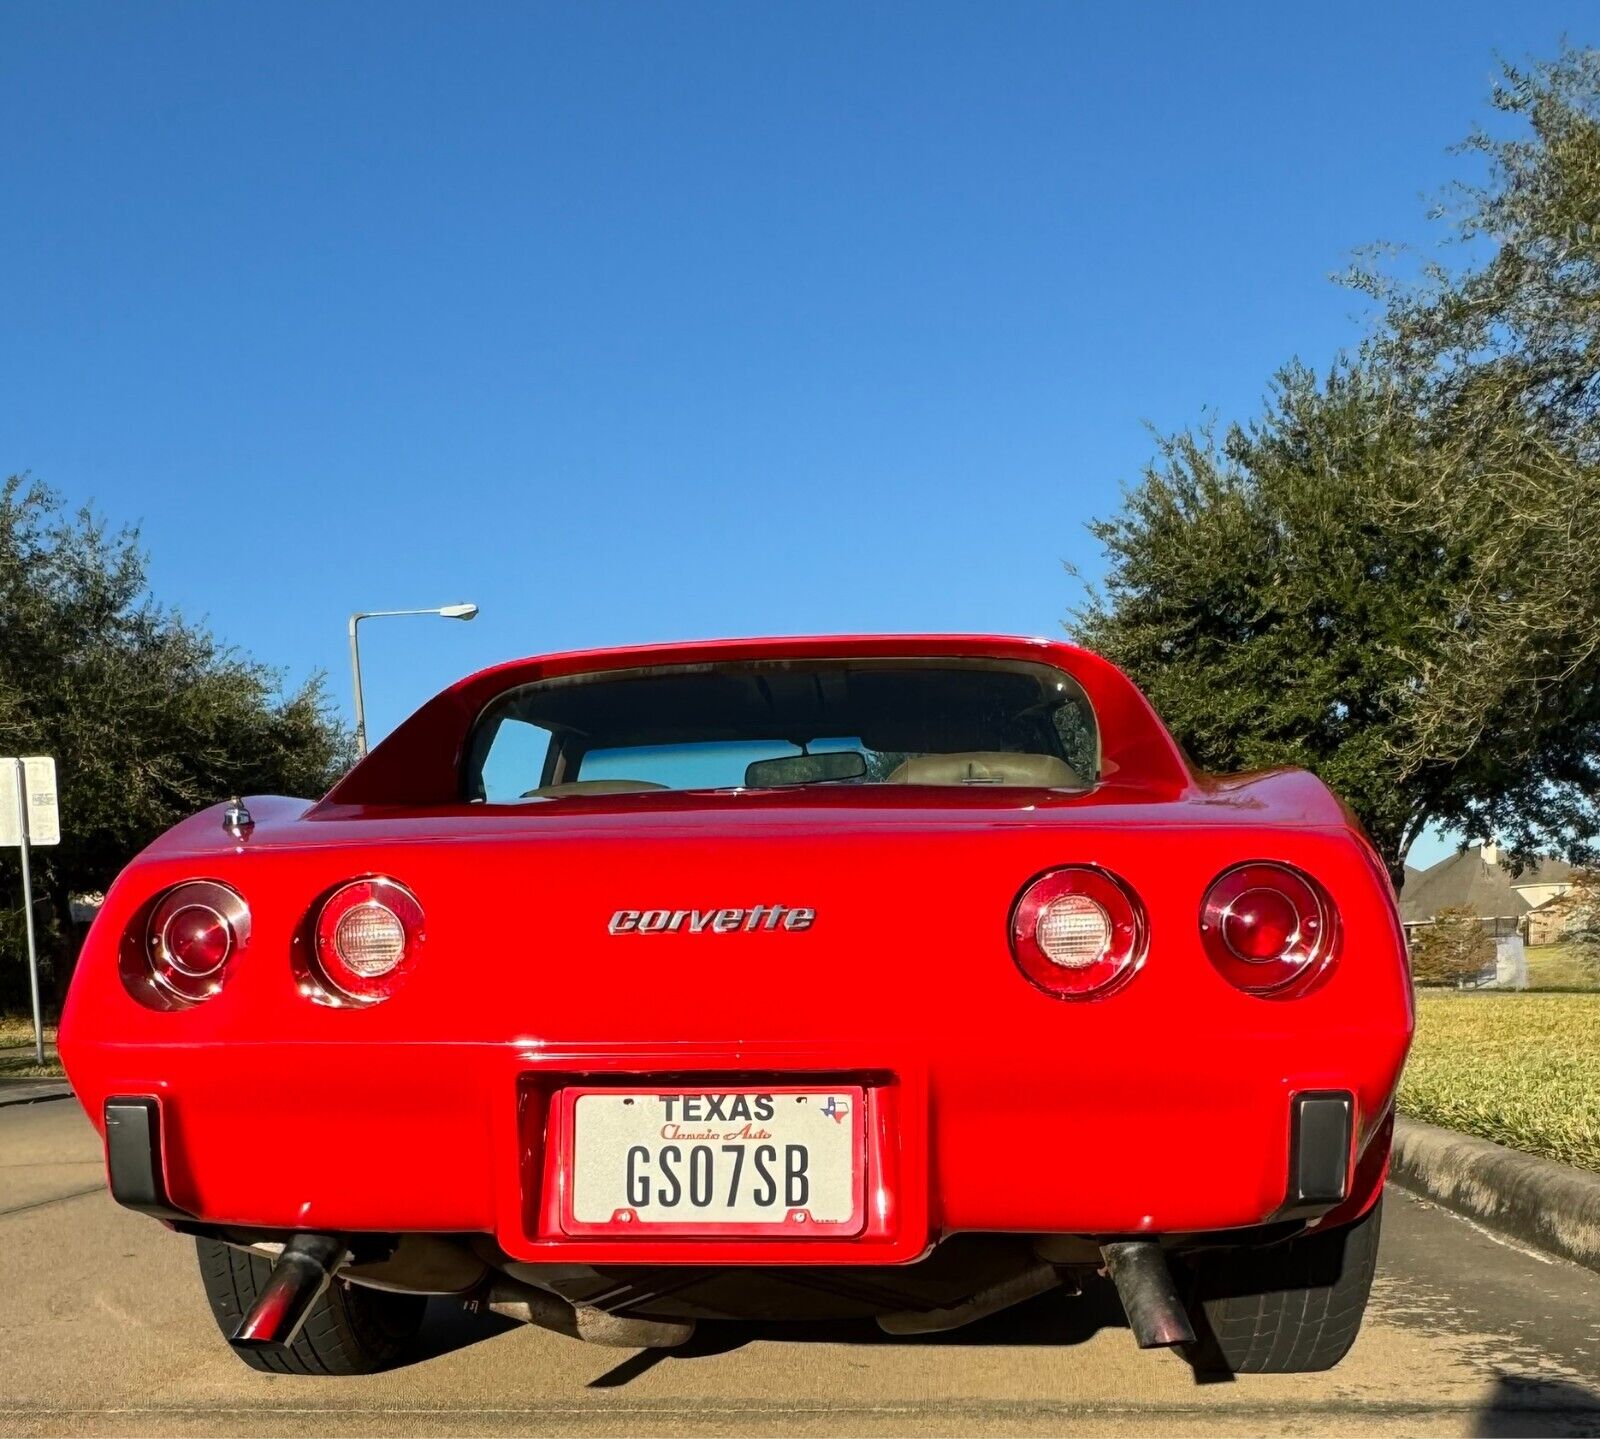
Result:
[[997, 767]]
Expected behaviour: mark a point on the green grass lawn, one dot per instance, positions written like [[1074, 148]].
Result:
[[1557, 966], [18, 1029], [1520, 1069], [16, 1049]]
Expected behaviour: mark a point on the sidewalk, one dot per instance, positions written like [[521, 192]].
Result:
[[32, 1091], [28, 1088]]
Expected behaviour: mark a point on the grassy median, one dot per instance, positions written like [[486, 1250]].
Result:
[[16, 1049], [1520, 1069]]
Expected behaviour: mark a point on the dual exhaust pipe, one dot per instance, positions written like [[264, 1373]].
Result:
[[308, 1264]]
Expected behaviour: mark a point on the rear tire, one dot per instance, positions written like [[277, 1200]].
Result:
[[1289, 1308], [350, 1330]]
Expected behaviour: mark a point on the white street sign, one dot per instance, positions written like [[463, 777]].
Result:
[[28, 816], [44, 813], [39, 788]]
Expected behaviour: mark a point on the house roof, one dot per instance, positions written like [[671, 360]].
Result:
[[1547, 871], [1468, 879]]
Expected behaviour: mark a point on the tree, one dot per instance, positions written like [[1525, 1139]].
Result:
[[1504, 357], [1252, 596], [1580, 908], [1455, 949], [149, 717], [1389, 576]]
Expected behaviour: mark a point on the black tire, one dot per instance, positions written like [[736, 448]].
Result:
[[351, 1329], [1289, 1308]]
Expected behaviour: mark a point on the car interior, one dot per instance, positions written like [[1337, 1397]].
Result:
[[781, 724]]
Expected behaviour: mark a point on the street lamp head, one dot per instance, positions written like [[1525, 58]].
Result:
[[449, 612]]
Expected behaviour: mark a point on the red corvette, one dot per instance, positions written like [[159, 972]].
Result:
[[894, 977]]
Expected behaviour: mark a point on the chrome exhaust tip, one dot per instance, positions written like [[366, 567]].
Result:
[[302, 1272], [1156, 1313]]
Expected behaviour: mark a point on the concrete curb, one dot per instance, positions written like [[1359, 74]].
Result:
[[1550, 1206], [33, 1091]]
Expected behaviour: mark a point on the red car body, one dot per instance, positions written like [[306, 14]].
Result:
[[1162, 1108]]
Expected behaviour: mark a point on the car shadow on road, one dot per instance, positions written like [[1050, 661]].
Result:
[[1519, 1405], [448, 1325], [1531, 1405], [1056, 1320], [1053, 1320]]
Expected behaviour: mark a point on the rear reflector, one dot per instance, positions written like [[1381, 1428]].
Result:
[[1269, 929], [1078, 932], [368, 933]]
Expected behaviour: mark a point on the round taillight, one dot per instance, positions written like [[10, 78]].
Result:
[[368, 933], [197, 940], [192, 933], [1260, 924], [1078, 932], [1269, 929]]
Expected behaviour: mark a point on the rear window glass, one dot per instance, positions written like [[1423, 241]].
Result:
[[780, 724]]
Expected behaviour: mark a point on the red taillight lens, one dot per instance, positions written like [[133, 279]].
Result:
[[1078, 932], [1268, 929], [193, 931], [368, 933], [1260, 924], [197, 939]]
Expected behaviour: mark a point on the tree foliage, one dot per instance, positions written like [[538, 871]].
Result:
[[1455, 949], [1390, 577], [1580, 909], [149, 717]]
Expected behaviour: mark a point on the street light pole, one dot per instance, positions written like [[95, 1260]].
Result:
[[449, 612], [355, 671]]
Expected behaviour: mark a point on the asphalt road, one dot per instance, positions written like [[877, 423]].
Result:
[[103, 1330]]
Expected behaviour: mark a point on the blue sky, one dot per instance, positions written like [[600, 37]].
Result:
[[658, 321]]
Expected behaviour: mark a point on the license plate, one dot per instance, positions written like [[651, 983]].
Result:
[[711, 1161]]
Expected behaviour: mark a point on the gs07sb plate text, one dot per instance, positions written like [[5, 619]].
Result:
[[702, 1161]]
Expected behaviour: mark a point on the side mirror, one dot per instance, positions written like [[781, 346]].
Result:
[[805, 769]]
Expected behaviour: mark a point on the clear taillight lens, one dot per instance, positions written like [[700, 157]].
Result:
[[368, 934], [1269, 929], [1078, 932], [192, 933]]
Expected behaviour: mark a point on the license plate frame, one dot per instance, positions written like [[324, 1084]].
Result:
[[786, 1223]]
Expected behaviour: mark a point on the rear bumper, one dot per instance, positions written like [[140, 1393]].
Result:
[[466, 1138]]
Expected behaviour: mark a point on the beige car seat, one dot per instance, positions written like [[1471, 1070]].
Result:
[[999, 767]]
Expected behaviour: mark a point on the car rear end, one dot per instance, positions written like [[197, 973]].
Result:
[[819, 1030]]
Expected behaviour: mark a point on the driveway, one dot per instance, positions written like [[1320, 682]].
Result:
[[103, 1330]]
